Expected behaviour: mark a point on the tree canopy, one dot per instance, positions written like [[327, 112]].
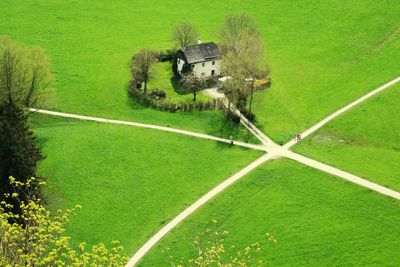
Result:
[[142, 65], [184, 34], [24, 73]]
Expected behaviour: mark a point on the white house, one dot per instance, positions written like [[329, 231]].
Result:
[[203, 60]]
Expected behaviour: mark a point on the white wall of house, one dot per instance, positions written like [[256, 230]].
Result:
[[180, 64], [202, 69], [205, 69]]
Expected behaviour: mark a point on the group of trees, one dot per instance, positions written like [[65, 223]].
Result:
[[24, 76]]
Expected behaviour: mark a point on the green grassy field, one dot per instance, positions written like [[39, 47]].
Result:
[[130, 181], [317, 220], [323, 54], [364, 141]]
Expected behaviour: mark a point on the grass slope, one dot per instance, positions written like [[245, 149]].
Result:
[[323, 53], [364, 141], [317, 220], [130, 181]]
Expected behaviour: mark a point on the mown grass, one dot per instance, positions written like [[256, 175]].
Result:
[[130, 181], [322, 53], [364, 141], [161, 79], [317, 220]]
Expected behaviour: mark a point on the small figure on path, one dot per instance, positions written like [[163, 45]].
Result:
[[231, 138], [298, 137]]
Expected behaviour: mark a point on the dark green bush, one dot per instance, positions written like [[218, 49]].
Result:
[[158, 94]]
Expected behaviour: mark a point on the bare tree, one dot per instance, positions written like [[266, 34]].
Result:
[[234, 29], [242, 53], [184, 34], [193, 84], [24, 73], [141, 65]]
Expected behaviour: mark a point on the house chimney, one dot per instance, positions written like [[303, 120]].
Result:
[[199, 41]]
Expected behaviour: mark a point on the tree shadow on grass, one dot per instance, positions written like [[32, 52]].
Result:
[[134, 104], [224, 127], [179, 89]]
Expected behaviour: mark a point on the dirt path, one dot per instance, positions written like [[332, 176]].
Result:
[[149, 126], [342, 110], [200, 202]]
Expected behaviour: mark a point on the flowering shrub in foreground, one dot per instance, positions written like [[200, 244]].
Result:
[[35, 237], [210, 250]]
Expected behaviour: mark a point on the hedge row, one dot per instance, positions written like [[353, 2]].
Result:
[[162, 104]]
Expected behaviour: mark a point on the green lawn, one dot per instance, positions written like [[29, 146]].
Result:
[[130, 181], [161, 79], [364, 141], [323, 53], [317, 220]]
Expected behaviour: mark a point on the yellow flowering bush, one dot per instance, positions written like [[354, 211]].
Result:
[[261, 83], [210, 250], [35, 237]]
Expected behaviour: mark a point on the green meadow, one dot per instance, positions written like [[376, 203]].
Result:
[[323, 53], [364, 141], [317, 220], [130, 181]]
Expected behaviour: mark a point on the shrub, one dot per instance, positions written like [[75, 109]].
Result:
[[230, 115], [158, 94], [39, 240], [166, 55], [165, 105]]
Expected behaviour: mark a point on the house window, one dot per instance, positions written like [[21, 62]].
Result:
[[203, 64], [203, 74], [213, 72], [213, 62], [192, 66]]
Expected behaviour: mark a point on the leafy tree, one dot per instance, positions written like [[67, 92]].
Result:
[[39, 240], [24, 73], [142, 65], [19, 155], [184, 34], [193, 84]]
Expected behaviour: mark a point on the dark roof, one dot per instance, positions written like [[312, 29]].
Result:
[[201, 52]]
